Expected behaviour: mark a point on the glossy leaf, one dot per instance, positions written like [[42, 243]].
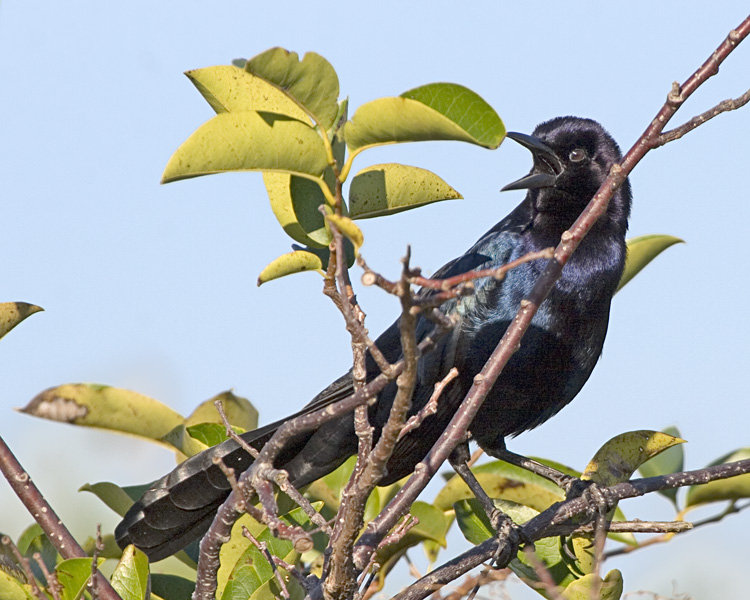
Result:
[[734, 488], [130, 578], [239, 411], [395, 120], [12, 313], [465, 108], [391, 188], [292, 262], [311, 81], [231, 89], [610, 588], [106, 407], [72, 575], [248, 141], [672, 460], [641, 251]]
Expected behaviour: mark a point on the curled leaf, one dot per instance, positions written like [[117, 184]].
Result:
[[292, 262]]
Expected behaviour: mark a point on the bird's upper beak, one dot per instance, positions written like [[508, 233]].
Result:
[[547, 165]]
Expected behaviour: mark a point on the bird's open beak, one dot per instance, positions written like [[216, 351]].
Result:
[[547, 165]]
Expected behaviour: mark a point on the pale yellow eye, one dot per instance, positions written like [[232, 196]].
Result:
[[577, 155]]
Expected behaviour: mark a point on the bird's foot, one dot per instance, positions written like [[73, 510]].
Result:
[[510, 538]]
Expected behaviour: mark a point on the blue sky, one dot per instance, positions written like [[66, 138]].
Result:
[[152, 287]]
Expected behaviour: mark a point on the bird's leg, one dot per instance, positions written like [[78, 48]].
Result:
[[509, 534], [568, 483], [459, 460]]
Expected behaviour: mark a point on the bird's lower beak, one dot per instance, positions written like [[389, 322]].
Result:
[[547, 165]]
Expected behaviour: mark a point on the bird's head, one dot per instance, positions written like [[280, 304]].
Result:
[[572, 158]]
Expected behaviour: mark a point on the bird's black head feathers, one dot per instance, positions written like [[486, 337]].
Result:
[[572, 158]]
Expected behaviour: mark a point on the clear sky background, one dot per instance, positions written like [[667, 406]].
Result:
[[152, 288]]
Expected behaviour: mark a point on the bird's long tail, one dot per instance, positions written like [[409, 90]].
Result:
[[179, 507]]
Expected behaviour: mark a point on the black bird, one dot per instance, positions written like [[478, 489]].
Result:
[[572, 157]]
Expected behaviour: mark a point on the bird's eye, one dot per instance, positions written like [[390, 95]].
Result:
[[577, 155]]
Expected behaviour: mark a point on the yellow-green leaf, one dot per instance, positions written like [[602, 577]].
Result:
[[610, 588], [130, 578], [249, 141], [613, 463], [641, 251], [733, 488], [295, 202], [292, 262], [391, 188], [72, 575], [183, 442], [230, 89], [13, 589], [465, 108], [12, 313], [440, 111], [239, 411], [670, 461], [348, 229], [93, 405], [312, 81], [618, 458]]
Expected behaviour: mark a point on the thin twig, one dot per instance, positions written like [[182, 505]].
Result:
[[23, 562], [431, 407], [263, 547]]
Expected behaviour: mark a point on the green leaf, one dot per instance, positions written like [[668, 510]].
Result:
[[249, 141], [32, 541], [618, 458], [130, 578], [12, 589], [731, 489], [106, 407], [210, 434], [292, 262], [295, 202], [111, 494], [465, 108], [232, 89], [672, 460], [72, 575], [172, 587], [181, 440], [391, 188], [244, 569], [641, 251], [239, 411], [610, 588], [440, 111], [12, 313], [502, 480], [312, 82]]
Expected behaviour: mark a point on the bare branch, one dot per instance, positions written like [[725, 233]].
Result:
[[43, 513]]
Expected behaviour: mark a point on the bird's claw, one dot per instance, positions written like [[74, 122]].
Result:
[[510, 537]]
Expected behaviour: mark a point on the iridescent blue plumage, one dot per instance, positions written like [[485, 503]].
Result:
[[572, 157]]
